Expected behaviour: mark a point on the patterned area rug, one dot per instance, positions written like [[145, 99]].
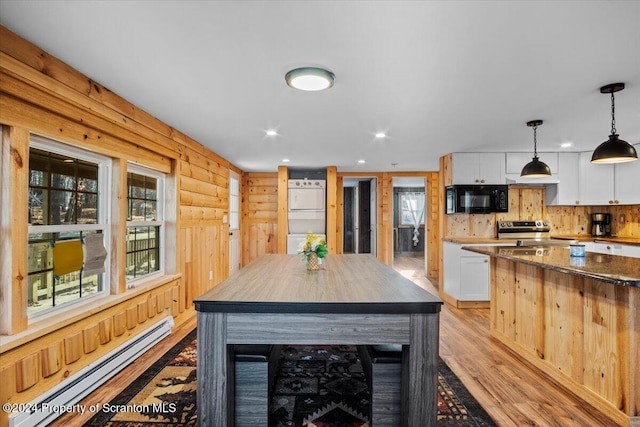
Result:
[[316, 386]]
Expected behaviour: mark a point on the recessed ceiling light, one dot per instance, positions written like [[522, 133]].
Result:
[[285, 160], [361, 161], [566, 144], [381, 135], [271, 132], [310, 78]]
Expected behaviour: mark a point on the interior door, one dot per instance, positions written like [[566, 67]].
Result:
[[373, 222], [364, 217], [234, 222]]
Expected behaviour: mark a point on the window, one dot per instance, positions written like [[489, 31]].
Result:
[[412, 209], [145, 222], [68, 207]]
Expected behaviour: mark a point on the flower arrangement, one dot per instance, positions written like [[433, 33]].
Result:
[[313, 249]]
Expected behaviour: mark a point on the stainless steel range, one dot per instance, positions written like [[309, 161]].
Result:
[[529, 233]]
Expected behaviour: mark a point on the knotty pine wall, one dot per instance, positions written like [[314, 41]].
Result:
[[40, 94], [259, 205]]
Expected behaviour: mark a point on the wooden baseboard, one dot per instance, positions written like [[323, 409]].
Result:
[[462, 304]]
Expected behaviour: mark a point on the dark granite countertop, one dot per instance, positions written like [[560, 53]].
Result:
[[615, 269]]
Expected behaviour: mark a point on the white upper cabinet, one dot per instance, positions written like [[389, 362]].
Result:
[[479, 168], [627, 182], [567, 191], [596, 182], [608, 184]]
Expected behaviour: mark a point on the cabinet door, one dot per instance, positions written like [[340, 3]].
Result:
[[474, 278], [451, 266], [627, 177], [479, 168], [566, 192], [491, 167], [596, 182], [628, 250], [465, 168]]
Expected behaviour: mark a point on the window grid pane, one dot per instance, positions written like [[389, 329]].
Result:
[[143, 251]]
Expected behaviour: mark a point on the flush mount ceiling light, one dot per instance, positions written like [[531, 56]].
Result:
[[613, 150], [381, 135], [310, 78], [535, 168]]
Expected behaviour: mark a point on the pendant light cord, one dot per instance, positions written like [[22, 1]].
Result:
[[613, 115], [535, 141]]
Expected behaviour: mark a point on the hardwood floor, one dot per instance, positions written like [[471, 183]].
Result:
[[512, 392]]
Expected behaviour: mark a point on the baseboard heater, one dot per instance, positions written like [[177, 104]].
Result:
[[78, 386]]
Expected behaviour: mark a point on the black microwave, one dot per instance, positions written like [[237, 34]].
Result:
[[477, 198]]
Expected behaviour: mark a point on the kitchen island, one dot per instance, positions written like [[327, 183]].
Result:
[[353, 299], [576, 319]]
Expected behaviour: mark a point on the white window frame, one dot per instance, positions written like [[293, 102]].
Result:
[[159, 222], [103, 217]]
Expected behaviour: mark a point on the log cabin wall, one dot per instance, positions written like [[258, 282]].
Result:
[[260, 215], [41, 95]]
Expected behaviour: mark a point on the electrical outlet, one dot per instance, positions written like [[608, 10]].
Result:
[[210, 274], [621, 219]]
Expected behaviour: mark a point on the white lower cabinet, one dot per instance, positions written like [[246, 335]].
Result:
[[466, 274]]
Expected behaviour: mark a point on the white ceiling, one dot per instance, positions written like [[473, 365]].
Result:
[[436, 76]]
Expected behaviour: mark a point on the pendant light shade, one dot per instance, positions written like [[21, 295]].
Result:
[[614, 150], [310, 78], [535, 168]]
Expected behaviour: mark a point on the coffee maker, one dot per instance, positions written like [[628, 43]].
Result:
[[600, 224]]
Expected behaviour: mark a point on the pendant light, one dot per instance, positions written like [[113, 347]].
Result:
[[614, 150], [535, 168]]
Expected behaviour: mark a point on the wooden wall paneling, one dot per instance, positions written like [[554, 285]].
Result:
[[152, 306], [168, 299], [8, 381], [259, 218], [339, 215], [629, 330], [625, 219], [175, 307], [281, 207], [41, 120], [142, 311], [563, 299], [119, 227], [15, 175], [503, 320], [385, 218], [90, 338], [105, 330], [332, 209], [73, 348], [27, 372], [529, 304], [44, 70], [601, 339], [52, 359], [433, 226], [132, 317], [119, 323], [160, 304]]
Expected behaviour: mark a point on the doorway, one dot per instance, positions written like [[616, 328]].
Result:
[[360, 216], [409, 224], [234, 222]]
